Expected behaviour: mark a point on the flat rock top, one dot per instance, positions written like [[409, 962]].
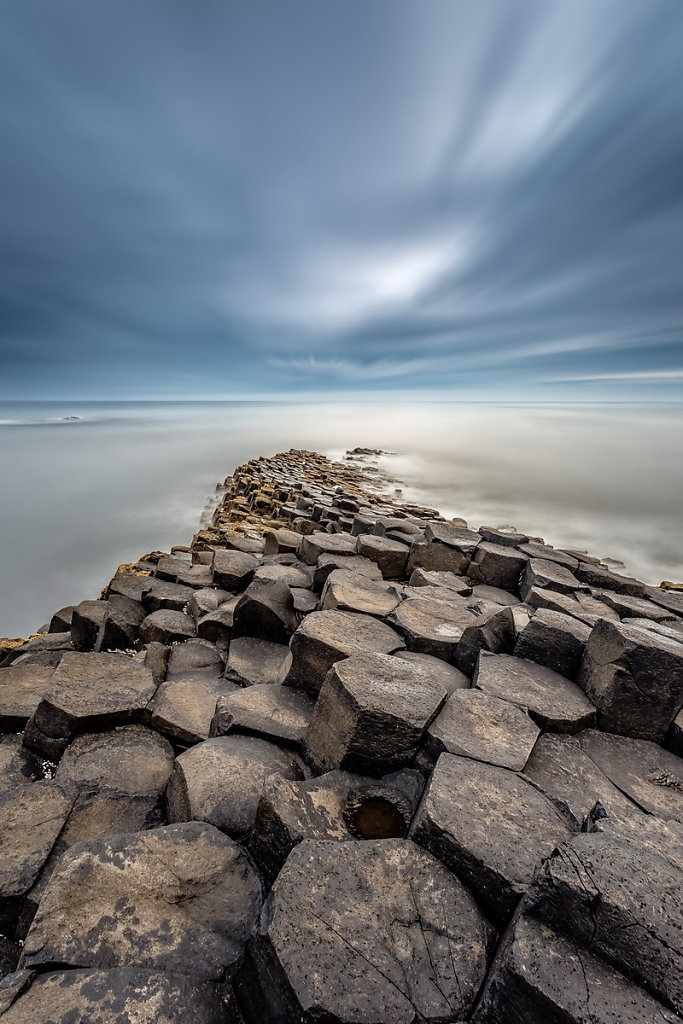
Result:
[[349, 632], [439, 620], [32, 817], [100, 683], [532, 686], [22, 688], [183, 898], [391, 686], [376, 931], [475, 724], [131, 759]]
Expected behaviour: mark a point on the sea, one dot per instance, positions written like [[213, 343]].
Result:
[[85, 486]]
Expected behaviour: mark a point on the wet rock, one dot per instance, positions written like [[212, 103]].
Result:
[[554, 702], [337, 805], [86, 620], [220, 781], [390, 556], [364, 931], [183, 899], [619, 890], [496, 565], [432, 627], [195, 659], [22, 687], [88, 692], [131, 759], [32, 817], [265, 611], [494, 630], [371, 714], [634, 678], [218, 626], [602, 579], [353, 592], [167, 627], [448, 580], [329, 561], [160, 594], [539, 977], [120, 629], [275, 713], [651, 776], [555, 640], [18, 766], [539, 572], [253, 662], [117, 997], [474, 724], [311, 548], [233, 570], [324, 638], [444, 549], [490, 826], [278, 541], [183, 709]]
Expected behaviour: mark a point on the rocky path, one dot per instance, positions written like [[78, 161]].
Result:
[[341, 760]]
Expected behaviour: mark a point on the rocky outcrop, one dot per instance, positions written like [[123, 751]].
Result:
[[341, 759]]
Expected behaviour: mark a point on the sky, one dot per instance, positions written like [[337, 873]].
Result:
[[353, 197]]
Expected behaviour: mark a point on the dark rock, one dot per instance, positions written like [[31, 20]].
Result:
[[183, 899], [554, 702], [18, 766], [634, 607], [485, 593], [548, 576], [218, 626], [329, 561], [117, 997], [130, 584], [336, 806], [539, 977], [22, 688], [389, 555], [448, 676], [290, 575], [619, 890], [206, 600], [353, 592], [548, 554], [32, 817], [220, 781], [88, 692], [160, 594], [508, 537], [372, 713], [672, 600], [445, 549], [169, 567], [86, 620], [493, 631], [120, 629], [155, 658], [131, 759], [183, 709], [634, 678], [311, 548], [305, 601], [265, 611], [496, 566], [252, 662], [674, 739], [581, 606], [275, 713], [474, 724], [555, 640], [364, 931], [61, 620], [233, 570], [432, 627], [195, 659], [489, 825], [278, 541], [602, 579], [324, 638], [167, 627], [448, 580]]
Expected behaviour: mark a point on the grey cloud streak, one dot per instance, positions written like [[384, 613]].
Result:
[[222, 197]]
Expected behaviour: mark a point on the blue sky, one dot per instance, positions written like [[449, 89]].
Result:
[[449, 197]]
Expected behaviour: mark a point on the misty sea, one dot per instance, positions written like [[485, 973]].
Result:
[[80, 496]]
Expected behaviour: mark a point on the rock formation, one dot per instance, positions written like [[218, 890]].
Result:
[[342, 760]]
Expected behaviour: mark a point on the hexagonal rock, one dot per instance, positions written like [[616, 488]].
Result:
[[233, 570], [509, 537], [131, 759], [493, 630], [217, 625], [353, 592], [489, 825], [167, 627], [183, 709], [634, 607], [275, 713], [371, 714], [444, 549], [425, 578], [220, 781], [195, 659], [32, 817], [317, 544], [128, 584], [337, 805], [120, 628], [88, 691], [389, 555], [600, 578], [432, 627], [554, 640], [279, 541], [539, 572], [183, 899], [538, 976], [580, 606], [451, 678], [116, 997], [497, 566], [265, 611], [161, 594], [483, 592], [672, 600], [651, 776], [18, 767], [22, 688], [328, 562], [207, 600], [634, 677], [474, 724], [290, 575], [253, 662], [564, 770], [324, 638], [554, 702], [620, 890], [364, 931], [86, 620], [548, 554]]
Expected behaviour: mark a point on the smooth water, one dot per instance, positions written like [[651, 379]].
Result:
[[79, 497]]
